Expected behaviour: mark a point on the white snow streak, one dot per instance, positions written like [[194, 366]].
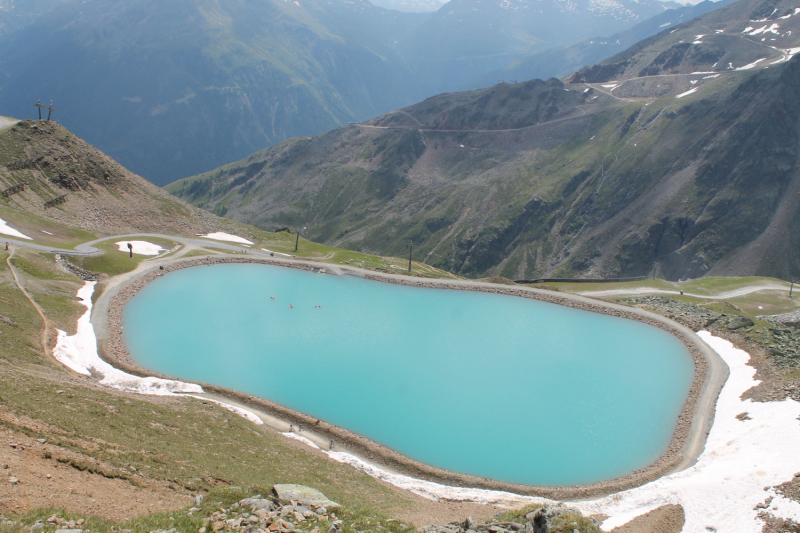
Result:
[[140, 247], [5, 230], [751, 65], [304, 440], [222, 236], [687, 93], [79, 352], [249, 415]]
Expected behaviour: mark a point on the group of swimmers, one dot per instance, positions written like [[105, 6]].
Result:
[[292, 306]]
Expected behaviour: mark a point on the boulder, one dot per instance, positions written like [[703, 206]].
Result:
[[739, 322], [541, 519], [303, 496], [257, 503]]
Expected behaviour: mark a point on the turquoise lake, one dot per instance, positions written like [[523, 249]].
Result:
[[495, 386]]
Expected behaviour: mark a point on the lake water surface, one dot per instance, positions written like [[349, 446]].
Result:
[[495, 386]]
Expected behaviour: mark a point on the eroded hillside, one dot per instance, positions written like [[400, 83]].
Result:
[[62, 178]]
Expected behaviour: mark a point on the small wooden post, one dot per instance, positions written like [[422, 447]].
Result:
[[791, 287], [410, 249], [297, 240], [130, 250]]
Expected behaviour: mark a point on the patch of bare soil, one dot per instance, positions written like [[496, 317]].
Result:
[[666, 519], [30, 480], [424, 512]]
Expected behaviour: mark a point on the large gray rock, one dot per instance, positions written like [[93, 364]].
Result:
[[257, 503], [739, 322], [303, 495]]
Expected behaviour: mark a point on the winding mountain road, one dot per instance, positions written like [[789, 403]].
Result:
[[89, 248], [642, 291], [407, 128]]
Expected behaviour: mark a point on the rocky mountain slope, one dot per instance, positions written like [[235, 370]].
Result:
[[49, 173], [171, 89], [693, 173], [564, 60], [739, 37]]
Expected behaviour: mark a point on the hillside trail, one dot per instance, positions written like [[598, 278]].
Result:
[[21, 285], [572, 115], [640, 291]]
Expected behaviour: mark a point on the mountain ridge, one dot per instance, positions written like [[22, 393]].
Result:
[[185, 86], [616, 178]]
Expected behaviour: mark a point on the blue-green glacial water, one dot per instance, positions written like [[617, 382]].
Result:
[[496, 386]]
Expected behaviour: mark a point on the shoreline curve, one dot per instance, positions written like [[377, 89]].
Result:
[[688, 439]]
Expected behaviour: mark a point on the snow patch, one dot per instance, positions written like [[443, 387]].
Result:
[[43, 231], [764, 29], [79, 353], [249, 415], [710, 77], [304, 440], [435, 491], [687, 93], [140, 247], [5, 230], [751, 65], [222, 236]]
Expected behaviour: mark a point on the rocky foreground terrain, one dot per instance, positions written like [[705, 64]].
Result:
[[299, 509]]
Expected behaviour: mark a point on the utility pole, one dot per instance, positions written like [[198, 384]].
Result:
[[410, 249], [655, 267], [297, 240], [791, 287], [50, 109]]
